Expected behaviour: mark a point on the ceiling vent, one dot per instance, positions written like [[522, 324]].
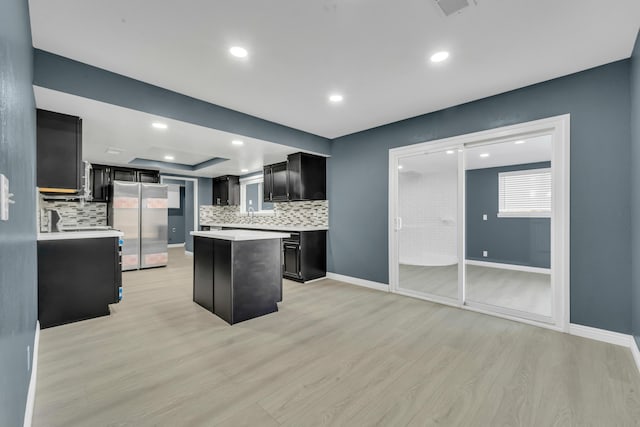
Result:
[[449, 7]]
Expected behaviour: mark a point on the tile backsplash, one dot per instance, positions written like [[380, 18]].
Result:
[[75, 214], [307, 213]]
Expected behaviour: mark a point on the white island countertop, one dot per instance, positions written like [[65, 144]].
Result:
[[239, 235], [89, 234], [268, 226]]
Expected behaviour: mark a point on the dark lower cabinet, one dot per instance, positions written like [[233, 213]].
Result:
[[305, 255], [77, 279]]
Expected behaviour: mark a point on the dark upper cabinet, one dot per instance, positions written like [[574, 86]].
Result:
[[275, 186], [103, 175], [123, 174], [307, 177], [226, 190], [100, 180], [148, 176], [59, 152]]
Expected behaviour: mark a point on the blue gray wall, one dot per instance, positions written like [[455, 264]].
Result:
[[522, 241], [205, 197], [598, 101], [18, 265], [177, 230], [65, 75], [635, 195]]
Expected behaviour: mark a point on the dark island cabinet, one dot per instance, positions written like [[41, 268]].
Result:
[[307, 178], [226, 190], [276, 183], [59, 152]]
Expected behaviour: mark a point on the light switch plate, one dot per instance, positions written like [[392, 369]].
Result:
[[4, 198], [485, 253], [484, 217]]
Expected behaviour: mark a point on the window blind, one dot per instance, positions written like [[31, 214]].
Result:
[[525, 192]]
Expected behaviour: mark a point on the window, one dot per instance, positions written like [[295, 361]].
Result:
[[251, 196], [524, 193]]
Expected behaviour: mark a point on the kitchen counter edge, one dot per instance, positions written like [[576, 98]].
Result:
[[69, 235], [268, 227]]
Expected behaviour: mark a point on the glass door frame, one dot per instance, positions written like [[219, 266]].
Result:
[[559, 129]]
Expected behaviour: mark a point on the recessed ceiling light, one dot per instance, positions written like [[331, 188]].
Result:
[[520, 142], [439, 56], [113, 150], [237, 142], [399, 166], [159, 125], [169, 157], [238, 52], [450, 151], [484, 155], [336, 97], [244, 170]]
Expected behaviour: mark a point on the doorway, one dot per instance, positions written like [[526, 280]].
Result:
[[481, 221], [188, 211]]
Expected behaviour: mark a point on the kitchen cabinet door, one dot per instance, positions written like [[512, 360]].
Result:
[[148, 176], [100, 180], [226, 190], [291, 258], [307, 177], [59, 152], [123, 174], [275, 183]]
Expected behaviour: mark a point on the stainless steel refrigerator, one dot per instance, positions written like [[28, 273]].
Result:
[[139, 210]]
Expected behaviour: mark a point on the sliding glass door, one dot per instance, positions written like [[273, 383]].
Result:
[[428, 225]]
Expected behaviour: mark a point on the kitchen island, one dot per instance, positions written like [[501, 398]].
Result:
[[237, 274]]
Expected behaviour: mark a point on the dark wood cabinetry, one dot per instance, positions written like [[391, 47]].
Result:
[[59, 152], [77, 279], [226, 190], [302, 177], [100, 180], [307, 177], [103, 175], [305, 255], [276, 183]]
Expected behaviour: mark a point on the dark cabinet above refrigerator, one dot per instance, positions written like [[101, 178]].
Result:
[[102, 176]]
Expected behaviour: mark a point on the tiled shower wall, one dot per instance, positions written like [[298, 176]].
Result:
[[308, 213], [75, 214]]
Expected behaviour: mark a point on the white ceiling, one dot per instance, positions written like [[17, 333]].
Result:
[[532, 150], [375, 52], [108, 126]]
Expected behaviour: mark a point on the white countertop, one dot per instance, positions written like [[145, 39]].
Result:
[[68, 235], [268, 226], [239, 235]]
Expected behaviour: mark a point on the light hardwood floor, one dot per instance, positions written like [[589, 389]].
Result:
[[334, 354], [518, 290]]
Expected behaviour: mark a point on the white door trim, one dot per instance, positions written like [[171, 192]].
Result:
[[196, 214], [559, 128]]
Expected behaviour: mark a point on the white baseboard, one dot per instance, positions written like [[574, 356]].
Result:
[[31, 395], [359, 282], [508, 266], [635, 351], [601, 335], [188, 253], [175, 245]]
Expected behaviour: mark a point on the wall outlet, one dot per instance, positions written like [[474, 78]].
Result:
[[28, 358], [484, 217], [485, 253]]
